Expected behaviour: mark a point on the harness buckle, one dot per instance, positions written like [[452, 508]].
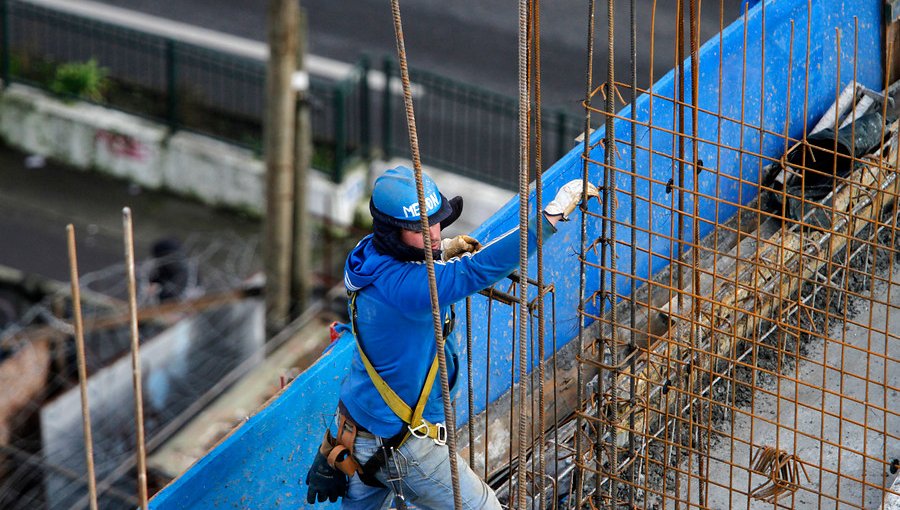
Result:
[[423, 431], [441, 438], [420, 431]]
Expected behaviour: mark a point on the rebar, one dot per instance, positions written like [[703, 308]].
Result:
[[78, 321], [449, 415], [128, 238]]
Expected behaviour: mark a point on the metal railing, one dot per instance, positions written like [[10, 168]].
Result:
[[187, 86]]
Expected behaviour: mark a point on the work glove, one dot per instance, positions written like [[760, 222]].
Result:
[[324, 481], [455, 246], [568, 197]]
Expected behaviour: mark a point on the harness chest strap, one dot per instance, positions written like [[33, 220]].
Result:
[[422, 427]]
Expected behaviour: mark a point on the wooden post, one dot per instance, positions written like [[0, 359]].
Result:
[[302, 258], [279, 150]]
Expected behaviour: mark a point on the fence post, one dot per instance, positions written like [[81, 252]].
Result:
[[365, 129], [4, 25], [340, 133], [171, 86], [386, 134]]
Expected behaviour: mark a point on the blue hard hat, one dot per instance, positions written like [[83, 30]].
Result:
[[395, 201]]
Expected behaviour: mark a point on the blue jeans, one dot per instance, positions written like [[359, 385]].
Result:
[[426, 481]]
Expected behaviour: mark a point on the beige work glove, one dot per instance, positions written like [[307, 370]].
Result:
[[455, 246], [568, 198]]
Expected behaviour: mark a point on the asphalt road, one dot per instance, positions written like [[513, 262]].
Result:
[[36, 204], [470, 40]]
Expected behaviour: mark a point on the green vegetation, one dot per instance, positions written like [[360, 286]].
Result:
[[84, 80]]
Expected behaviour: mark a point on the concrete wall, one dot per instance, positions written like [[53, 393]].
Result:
[[90, 137], [179, 366]]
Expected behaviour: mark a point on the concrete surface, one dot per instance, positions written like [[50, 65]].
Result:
[[842, 429]]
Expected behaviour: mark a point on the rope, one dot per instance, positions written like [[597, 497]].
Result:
[[578, 482], [450, 422], [523, 242]]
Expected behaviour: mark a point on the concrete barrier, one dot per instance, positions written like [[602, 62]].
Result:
[[90, 137]]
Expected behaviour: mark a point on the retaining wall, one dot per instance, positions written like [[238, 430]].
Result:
[[91, 137]]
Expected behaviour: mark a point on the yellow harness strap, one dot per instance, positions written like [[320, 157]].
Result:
[[417, 426]]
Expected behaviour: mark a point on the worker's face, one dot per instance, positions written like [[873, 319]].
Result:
[[415, 238]]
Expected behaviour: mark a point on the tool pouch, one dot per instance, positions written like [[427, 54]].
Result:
[[339, 451]]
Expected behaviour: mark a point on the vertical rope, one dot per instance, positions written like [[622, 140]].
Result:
[[578, 479], [450, 421], [523, 242]]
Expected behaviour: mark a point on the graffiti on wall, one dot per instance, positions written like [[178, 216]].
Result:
[[122, 146]]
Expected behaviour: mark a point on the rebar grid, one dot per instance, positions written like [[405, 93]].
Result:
[[757, 372], [752, 364]]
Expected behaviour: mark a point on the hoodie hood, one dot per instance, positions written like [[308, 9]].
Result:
[[363, 265]]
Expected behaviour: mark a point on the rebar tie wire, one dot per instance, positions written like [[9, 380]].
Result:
[[781, 469], [449, 418]]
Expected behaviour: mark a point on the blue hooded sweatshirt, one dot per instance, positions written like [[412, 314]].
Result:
[[395, 324]]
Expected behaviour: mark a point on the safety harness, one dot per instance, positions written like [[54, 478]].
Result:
[[416, 425], [339, 450]]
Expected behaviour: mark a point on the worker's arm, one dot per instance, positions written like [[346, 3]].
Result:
[[464, 275]]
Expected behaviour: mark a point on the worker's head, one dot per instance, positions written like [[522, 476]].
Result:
[[395, 209]]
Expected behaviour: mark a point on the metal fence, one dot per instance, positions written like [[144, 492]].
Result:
[[464, 129]]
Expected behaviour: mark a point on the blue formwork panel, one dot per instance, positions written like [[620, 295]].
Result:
[[261, 464]]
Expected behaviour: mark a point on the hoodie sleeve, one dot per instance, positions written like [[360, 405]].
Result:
[[464, 275]]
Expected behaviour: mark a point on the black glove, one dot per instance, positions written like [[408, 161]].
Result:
[[324, 481]]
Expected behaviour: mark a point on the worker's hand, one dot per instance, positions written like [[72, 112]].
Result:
[[455, 246], [324, 481], [568, 198]]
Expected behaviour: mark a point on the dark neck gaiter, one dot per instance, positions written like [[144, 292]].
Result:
[[386, 240]]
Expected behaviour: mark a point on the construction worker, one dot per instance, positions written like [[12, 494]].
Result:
[[390, 421]]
